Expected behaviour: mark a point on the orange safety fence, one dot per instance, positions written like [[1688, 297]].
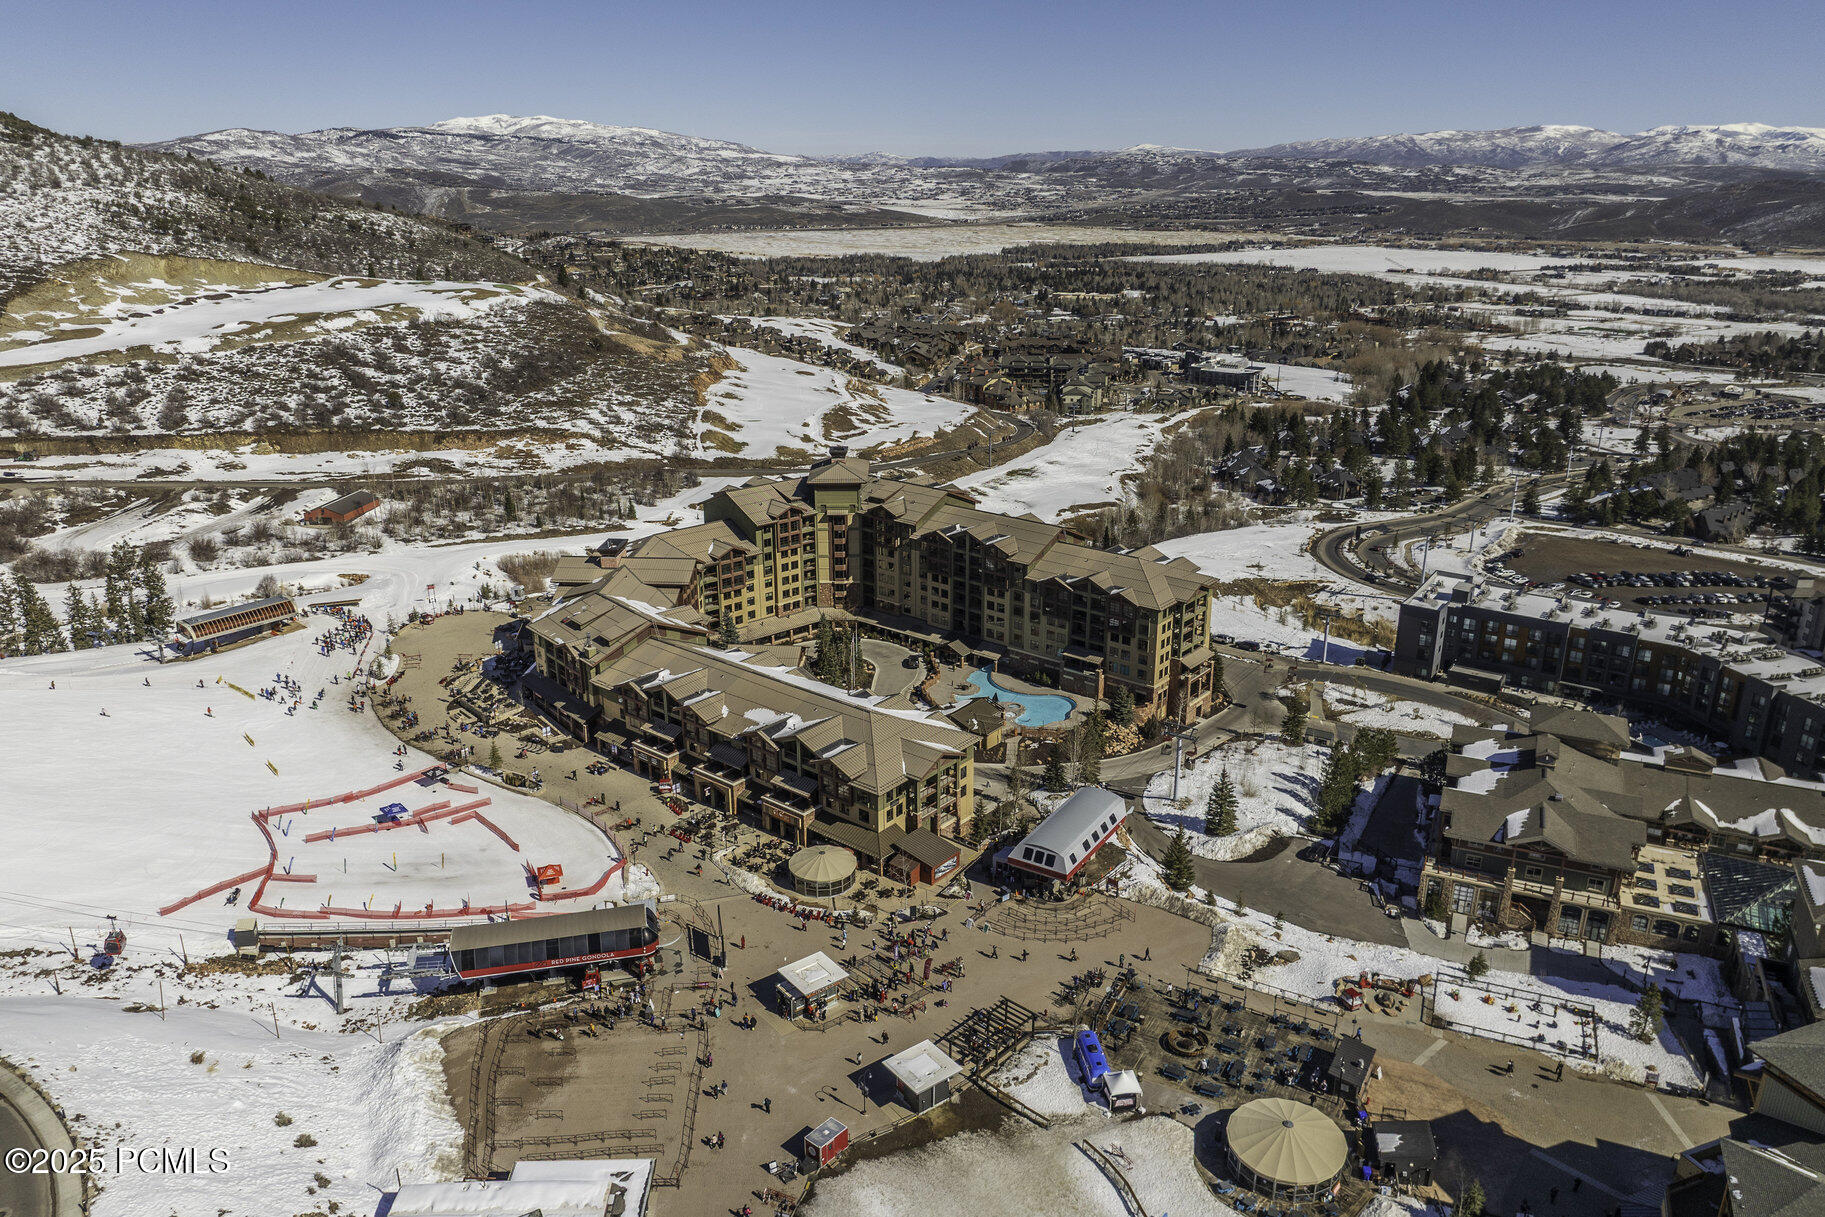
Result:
[[424, 815], [488, 824], [574, 893], [214, 889], [352, 795]]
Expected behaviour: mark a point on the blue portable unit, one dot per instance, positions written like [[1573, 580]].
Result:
[[1090, 1059]]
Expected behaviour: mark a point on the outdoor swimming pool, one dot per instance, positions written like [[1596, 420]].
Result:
[[1036, 709]]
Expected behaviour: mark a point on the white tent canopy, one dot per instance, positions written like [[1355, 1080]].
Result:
[[1286, 1142]]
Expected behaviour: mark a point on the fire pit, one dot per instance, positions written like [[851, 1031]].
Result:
[[1185, 1041]]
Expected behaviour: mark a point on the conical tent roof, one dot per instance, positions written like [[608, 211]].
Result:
[[1287, 1142], [822, 864]]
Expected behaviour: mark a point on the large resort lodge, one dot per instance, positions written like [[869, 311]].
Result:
[[628, 657]]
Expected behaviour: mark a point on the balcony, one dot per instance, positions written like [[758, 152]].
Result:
[[795, 814], [794, 786]]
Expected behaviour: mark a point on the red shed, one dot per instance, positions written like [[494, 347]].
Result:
[[344, 509], [826, 1141]]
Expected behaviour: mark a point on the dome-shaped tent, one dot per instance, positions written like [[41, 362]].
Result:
[[822, 870], [1283, 1148]]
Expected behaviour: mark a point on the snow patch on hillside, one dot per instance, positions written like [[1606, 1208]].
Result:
[[1083, 467], [371, 1107], [776, 403]]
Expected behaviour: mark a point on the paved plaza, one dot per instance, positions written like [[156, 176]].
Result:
[[727, 1067]]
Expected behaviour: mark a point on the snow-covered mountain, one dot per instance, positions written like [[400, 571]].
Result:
[[1510, 148], [1750, 145], [541, 153], [64, 199], [532, 153], [1755, 145], [558, 154], [506, 173]]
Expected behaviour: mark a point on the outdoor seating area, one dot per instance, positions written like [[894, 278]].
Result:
[[1234, 1048]]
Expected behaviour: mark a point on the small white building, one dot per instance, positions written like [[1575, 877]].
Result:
[[808, 986], [598, 1187], [922, 1074]]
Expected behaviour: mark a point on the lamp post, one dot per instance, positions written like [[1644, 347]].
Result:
[[1179, 736]]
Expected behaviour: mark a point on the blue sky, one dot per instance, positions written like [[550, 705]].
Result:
[[918, 78]]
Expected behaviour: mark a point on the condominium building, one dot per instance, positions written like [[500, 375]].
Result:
[[928, 565], [744, 732], [1566, 829], [640, 661], [1738, 683]]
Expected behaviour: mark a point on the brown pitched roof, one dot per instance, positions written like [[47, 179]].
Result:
[[874, 744]]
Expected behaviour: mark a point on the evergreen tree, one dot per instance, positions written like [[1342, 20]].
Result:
[[1292, 727], [117, 593], [1121, 707], [1336, 793], [1647, 1016], [1053, 778], [76, 614], [38, 628], [1218, 689], [1435, 906], [1432, 767], [1530, 499], [725, 632], [827, 665], [1220, 812], [494, 756], [124, 570], [160, 615], [1471, 1202], [1176, 867], [1090, 751], [11, 634], [1374, 751], [1477, 967]]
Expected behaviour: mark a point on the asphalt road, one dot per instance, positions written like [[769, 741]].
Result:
[[1315, 897], [22, 1195], [1366, 553]]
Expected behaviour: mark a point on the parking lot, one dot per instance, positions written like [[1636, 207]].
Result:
[[1636, 576], [1772, 412]]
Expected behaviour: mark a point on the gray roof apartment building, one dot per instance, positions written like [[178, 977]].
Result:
[[1738, 683]]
